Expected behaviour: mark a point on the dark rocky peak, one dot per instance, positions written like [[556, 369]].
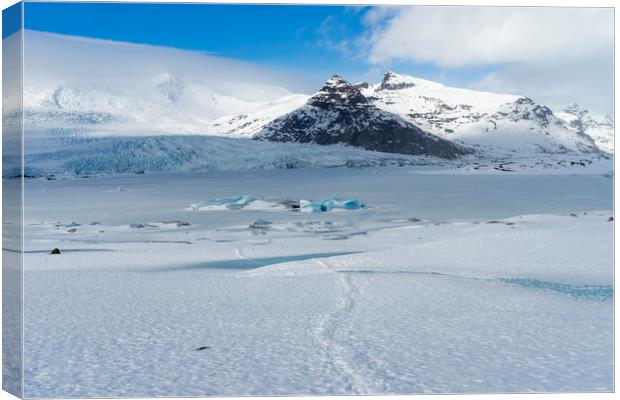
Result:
[[525, 108], [523, 101], [392, 81], [542, 112], [340, 114], [337, 91]]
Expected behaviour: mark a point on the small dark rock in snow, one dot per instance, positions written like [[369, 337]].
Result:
[[181, 223], [72, 230], [201, 348], [414, 219], [610, 219], [494, 222], [260, 224], [95, 223], [140, 226], [573, 215], [292, 204], [55, 251]]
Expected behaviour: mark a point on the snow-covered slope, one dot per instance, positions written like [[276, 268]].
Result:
[[497, 124], [247, 125], [79, 85], [598, 126], [340, 114]]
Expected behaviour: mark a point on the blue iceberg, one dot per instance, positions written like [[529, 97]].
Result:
[[241, 201], [329, 204]]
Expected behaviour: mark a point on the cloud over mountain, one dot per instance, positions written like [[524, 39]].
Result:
[[539, 47]]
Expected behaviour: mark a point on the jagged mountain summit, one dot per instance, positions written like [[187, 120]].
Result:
[[495, 124], [340, 114]]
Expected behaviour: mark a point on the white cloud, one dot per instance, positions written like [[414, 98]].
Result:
[[459, 36], [51, 57], [588, 83], [553, 54]]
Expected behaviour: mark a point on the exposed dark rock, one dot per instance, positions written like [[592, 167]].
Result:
[[340, 114], [390, 82], [55, 251]]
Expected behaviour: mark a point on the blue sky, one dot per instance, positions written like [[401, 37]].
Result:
[[314, 40], [520, 50], [11, 19]]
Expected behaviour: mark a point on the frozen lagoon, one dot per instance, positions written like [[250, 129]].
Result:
[[445, 284]]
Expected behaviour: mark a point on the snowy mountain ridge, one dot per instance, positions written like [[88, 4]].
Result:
[[164, 92], [493, 123]]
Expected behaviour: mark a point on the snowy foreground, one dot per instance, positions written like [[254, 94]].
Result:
[[445, 283]]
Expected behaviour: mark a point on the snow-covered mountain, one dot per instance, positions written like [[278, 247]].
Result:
[[163, 104], [77, 86], [97, 87], [493, 123], [340, 114], [598, 126]]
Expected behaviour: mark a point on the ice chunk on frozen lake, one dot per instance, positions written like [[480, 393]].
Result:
[[242, 202], [231, 203], [329, 204], [309, 206]]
